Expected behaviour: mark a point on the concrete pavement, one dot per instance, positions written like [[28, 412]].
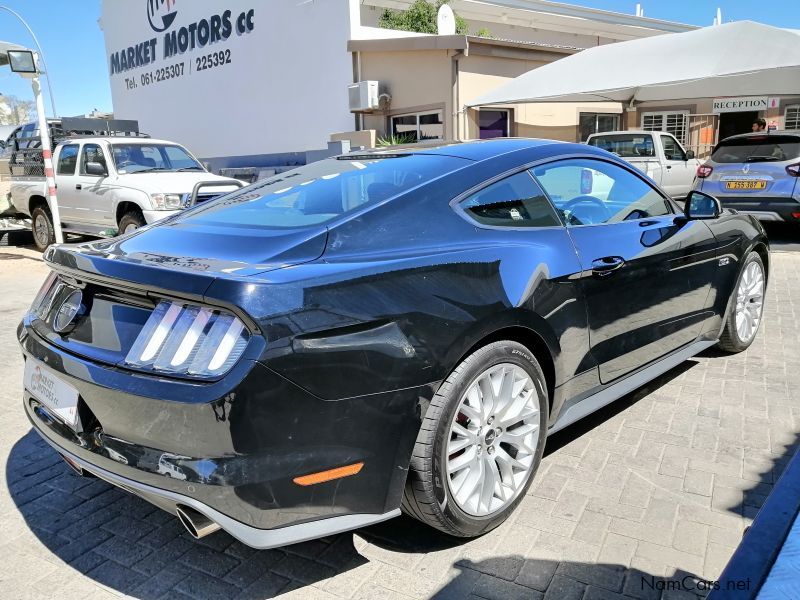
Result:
[[646, 499]]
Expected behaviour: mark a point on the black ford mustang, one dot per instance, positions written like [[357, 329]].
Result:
[[378, 332]]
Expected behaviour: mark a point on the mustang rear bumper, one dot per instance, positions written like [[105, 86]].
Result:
[[231, 449], [252, 536]]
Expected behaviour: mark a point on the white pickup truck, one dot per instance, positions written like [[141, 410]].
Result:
[[115, 184], [657, 154]]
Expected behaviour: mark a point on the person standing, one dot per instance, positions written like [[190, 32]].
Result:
[[759, 125]]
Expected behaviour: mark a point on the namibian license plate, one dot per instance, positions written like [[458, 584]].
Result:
[[746, 184], [59, 397]]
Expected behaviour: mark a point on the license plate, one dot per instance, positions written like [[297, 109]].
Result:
[[59, 397], [746, 185]]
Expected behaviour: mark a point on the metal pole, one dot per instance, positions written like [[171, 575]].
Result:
[[41, 56], [47, 155]]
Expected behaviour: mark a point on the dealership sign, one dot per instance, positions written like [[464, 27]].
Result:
[[743, 104], [174, 39]]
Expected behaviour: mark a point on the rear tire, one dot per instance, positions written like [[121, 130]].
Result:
[[461, 448], [44, 233], [130, 221], [747, 306]]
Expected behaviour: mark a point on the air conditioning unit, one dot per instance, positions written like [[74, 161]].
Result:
[[363, 96]]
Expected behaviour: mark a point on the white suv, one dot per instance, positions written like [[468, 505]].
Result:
[[111, 185]]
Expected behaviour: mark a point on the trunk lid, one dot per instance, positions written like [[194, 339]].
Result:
[[122, 279]]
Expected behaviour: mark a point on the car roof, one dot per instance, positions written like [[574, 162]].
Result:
[[763, 134], [111, 139], [475, 150]]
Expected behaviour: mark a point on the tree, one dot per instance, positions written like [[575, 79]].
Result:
[[14, 111], [420, 18]]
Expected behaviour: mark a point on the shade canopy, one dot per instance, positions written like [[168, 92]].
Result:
[[735, 59]]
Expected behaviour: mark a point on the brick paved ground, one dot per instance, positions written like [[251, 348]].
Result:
[[662, 484]]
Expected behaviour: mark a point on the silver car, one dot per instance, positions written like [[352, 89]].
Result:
[[756, 173]]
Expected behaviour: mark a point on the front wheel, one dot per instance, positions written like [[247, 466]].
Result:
[[481, 442], [43, 230], [130, 222], [747, 306]]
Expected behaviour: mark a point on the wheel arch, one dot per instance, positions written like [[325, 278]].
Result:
[[532, 338], [125, 206], [35, 201]]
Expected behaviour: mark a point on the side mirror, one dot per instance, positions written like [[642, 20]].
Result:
[[689, 154], [701, 206], [96, 169]]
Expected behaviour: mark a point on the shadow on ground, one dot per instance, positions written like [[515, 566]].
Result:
[[124, 543]]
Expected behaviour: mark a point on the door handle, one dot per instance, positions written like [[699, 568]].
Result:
[[669, 166], [78, 186], [605, 266]]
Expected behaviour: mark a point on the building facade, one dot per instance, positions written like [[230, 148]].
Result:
[[244, 83]]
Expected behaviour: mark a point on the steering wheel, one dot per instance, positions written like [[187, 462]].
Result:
[[569, 207]]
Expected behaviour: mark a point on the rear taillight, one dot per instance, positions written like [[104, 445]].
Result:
[[704, 171], [793, 170], [189, 340]]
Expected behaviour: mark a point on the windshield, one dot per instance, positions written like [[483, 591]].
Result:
[[625, 145], [772, 148], [139, 158], [322, 191]]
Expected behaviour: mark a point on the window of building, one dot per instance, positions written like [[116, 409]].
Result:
[[589, 123], [67, 160], [792, 115], [493, 123], [671, 122], [515, 201], [92, 153], [590, 192], [419, 127]]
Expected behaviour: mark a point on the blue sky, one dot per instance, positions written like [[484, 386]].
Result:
[[74, 49]]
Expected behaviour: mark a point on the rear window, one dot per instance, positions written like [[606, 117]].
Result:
[[773, 148], [322, 191], [625, 145]]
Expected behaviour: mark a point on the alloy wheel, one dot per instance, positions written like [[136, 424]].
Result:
[[749, 301], [493, 440]]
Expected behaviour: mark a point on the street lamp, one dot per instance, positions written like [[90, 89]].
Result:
[[41, 55], [25, 62]]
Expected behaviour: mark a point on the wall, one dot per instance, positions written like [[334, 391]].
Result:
[[284, 89], [416, 80]]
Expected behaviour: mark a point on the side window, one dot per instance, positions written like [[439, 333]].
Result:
[[671, 148], [92, 153], [590, 192], [67, 160], [515, 201]]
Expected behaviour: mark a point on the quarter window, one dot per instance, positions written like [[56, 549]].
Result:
[[92, 153], [591, 192], [67, 160], [515, 201]]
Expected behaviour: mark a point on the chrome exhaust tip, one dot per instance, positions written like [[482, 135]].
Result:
[[196, 523], [73, 465]]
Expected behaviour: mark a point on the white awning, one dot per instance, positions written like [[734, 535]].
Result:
[[734, 59]]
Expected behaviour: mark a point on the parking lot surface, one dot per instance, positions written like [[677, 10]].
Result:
[[657, 487]]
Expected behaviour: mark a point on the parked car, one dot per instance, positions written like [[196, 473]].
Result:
[[757, 174], [377, 332], [657, 154], [111, 185]]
